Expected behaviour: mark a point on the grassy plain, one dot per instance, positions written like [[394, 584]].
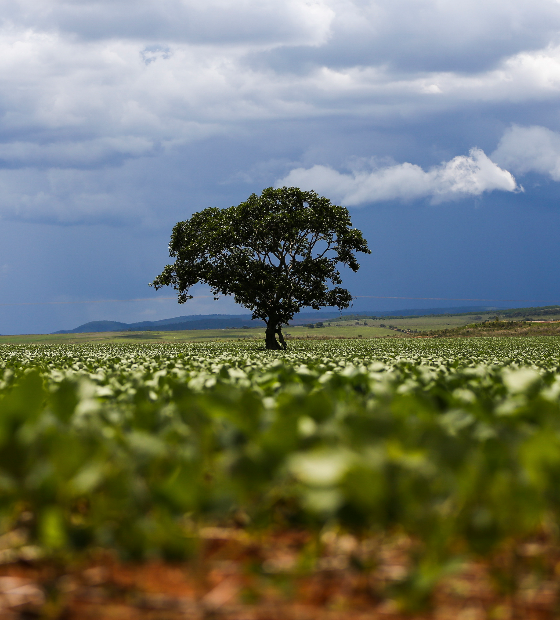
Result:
[[191, 335], [341, 328]]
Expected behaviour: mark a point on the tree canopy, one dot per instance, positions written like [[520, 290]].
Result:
[[275, 253]]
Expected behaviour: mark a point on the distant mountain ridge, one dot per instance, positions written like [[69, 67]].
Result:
[[200, 321], [229, 321]]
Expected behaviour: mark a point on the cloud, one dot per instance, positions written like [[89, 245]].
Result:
[[93, 85], [222, 22], [530, 149], [430, 35], [462, 176], [76, 196], [76, 154], [407, 35]]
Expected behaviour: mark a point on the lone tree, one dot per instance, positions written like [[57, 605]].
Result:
[[275, 253]]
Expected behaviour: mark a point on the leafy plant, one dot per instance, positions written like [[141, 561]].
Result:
[[454, 443]]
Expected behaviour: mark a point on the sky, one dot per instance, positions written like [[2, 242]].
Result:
[[435, 122]]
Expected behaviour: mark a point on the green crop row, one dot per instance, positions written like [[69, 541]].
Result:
[[455, 443]]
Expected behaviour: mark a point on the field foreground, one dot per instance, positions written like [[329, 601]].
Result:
[[340, 479]]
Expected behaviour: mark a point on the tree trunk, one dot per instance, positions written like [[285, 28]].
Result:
[[270, 337], [281, 338]]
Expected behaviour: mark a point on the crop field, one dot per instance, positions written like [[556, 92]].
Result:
[[186, 335], [338, 479]]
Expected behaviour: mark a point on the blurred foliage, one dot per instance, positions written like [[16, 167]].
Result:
[[455, 443]]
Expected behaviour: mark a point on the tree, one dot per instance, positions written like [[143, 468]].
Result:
[[275, 253]]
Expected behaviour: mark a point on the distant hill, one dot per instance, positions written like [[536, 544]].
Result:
[[212, 321], [96, 326], [196, 321], [225, 321]]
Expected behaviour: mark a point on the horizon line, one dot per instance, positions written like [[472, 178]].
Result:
[[103, 301]]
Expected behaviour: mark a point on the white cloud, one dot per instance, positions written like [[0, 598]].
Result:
[[170, 93], [462, 176], [93, 84], [530, 149]]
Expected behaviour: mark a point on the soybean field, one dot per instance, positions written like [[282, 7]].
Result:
[[350, 476]]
